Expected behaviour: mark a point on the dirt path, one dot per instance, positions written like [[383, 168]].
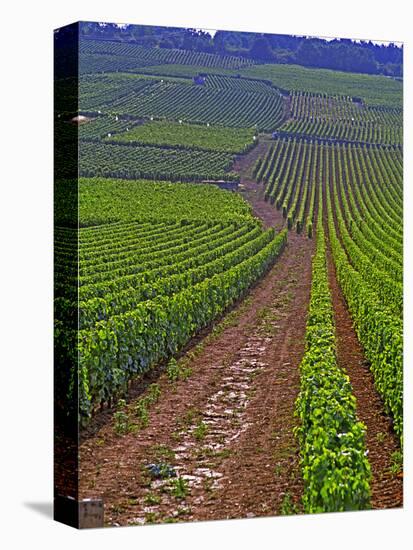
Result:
[[224, 434], [253, 192]]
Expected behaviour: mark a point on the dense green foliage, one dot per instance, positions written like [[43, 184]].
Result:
[[214, 138], [363, 273], [158, 262], [334, 460], [374, 90], [341, 118], [104, 200], [130, 161], [130, 343], [139, 56]]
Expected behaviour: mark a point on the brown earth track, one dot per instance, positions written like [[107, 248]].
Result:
[[253, 192], [265, 467]]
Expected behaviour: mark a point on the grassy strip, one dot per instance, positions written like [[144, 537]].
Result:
[[335, 467]]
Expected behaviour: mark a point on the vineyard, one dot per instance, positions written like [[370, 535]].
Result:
[[162, 280], [343, 119], [294, 169], [139, 56], [140, 161], [212, 138], [242, 352], [192, 103], [373, 90]]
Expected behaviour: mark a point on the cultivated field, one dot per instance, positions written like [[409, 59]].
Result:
[[240, 352]]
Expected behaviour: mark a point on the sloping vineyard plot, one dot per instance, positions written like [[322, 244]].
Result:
[[131, 161], [105, 201], [342, 119], [102, 126], [221, 82], [135, 148], [97, 92], [142, 56], [335, 466], [378, 329], [147, 288], [140, 96], [191, 136], [292, 170], [185, 71], [192, 103], [365, 200], [106, 63], [372, 89]]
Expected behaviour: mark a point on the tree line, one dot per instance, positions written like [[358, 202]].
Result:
[[337, 54]]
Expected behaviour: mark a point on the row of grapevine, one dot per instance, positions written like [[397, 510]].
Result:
[[293, 169], [127, 344], [334, 462], [342, 119], [129, 161], [378, 328], [201, 104], [143, 55]]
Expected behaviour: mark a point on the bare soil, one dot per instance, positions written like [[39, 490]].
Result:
[[253, 192]]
